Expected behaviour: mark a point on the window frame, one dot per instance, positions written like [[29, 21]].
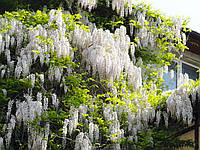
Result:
[[179, 63], [179, 71]]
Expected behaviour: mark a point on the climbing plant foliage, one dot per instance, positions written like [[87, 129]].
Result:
[[89, 76]]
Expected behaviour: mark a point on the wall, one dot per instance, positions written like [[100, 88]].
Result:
[[189, 136]]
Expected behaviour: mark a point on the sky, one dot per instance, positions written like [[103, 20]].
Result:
[[186, 8]]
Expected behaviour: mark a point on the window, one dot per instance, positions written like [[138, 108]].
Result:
[[171, 81], [190, 70], [170, 77]]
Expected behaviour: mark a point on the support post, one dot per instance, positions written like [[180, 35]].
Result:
[[196, 133]]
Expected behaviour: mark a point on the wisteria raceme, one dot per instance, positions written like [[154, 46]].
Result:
[[22, 112], [108, 55], [194, 92], [114, 127], [71, 126], [83, 111], [165, 69], [1, 143], [79, 140], [179, 104], [39, 96], [3, 73], [38, 140], [116, 4], [171, 74], [74, 117], [166, 118], [183, 79], [42, 78], [10, 127], [4, 92], [96, 133], [46, 134], [90, 4], [81, 38], [45, 103], [10, 103], [82, 142], [158, 115], [55, 101], [91, 130], [66, 121]]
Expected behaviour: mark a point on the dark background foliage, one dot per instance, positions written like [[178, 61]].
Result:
[[11, 5]]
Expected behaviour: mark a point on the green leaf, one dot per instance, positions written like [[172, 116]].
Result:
[[37, 52]]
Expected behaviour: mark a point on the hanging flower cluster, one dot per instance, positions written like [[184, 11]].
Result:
[[106, 53], [179, 105], [122, 7], [102, 53]]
